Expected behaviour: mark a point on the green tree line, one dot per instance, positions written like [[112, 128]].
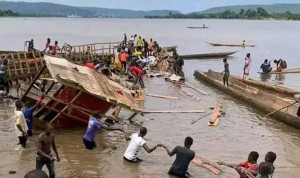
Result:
[[8, 13], [259, 13]]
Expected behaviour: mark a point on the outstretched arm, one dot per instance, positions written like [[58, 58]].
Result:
[[149, 150], [170, 153], [228, 165], [111, 128], [54, 149]]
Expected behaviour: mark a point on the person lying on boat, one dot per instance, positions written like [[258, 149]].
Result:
[[280, 64], [95, 123], [184, 155], [40, 85], [136, 142], [248, 167], [266, 66]]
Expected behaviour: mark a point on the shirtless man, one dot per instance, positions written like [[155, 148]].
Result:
[[46, 140]]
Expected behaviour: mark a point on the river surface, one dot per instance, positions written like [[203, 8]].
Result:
[[241, 130]]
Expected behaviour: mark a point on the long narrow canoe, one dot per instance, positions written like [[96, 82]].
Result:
[[284, 71], [231, 45], [262, 100], [266, 85], [197, 27], [208, 55]]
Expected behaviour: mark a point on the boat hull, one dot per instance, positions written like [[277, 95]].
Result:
[[207, 55], [231, 45], [285, 71], [259, 99]]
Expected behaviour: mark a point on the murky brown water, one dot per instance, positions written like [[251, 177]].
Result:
[[240, 131]]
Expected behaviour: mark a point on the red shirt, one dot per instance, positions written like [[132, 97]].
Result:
[[90, 65], [250, 167], [136, 70]]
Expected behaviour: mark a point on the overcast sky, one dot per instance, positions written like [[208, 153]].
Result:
[[181, 5]]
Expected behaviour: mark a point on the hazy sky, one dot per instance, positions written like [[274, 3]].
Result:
[[181, 5]]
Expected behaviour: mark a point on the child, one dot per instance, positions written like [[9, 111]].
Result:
[[21, 125], [248, 167], [265, 169], [270, 158]]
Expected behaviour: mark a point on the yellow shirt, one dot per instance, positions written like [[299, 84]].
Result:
[[139, 42]]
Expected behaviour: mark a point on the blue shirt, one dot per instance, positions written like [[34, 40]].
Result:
[[28, 114], [93, 125]]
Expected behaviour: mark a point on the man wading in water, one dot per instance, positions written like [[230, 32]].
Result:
[[46, 140], [184, 155]]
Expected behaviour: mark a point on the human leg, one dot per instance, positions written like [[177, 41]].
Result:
[[90, 145], [22, 141], [50, 166]]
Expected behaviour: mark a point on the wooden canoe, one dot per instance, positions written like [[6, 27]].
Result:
[[260, 99], [215, 116], [231, 45], [207, 55], [197, 27], [267, 86], [201, 163], [284, 71]]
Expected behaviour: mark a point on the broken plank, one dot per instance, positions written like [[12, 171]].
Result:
[[162, 96]]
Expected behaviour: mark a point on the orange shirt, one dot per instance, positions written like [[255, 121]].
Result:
[[123, 57]]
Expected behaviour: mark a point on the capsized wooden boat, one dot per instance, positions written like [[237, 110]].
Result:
[[231, 45], [260, 99], [210, 167], [207, 55], [284, 71], [266, 85], [197, 27], [77, 93]]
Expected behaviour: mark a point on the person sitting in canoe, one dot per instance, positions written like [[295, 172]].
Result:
[[280, 64], [249, 167], [266, 66]]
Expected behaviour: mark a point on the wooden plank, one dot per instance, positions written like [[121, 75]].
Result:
[[175, 111], [196, 89], [201, 163], [214, 119], [162, 96]]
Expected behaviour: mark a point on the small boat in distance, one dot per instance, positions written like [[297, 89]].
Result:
[[198, 27], [231, 45], [207, 55]]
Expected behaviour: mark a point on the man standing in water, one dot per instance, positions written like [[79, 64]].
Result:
[[46, 140], [248, 62], [93, 126], [184, 155], [21, 125], [136, 142], [226, 72]]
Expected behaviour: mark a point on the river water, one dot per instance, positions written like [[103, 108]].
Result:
[[240, 131]]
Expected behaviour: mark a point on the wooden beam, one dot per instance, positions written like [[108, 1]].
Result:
[[162, 96], [175, 111]]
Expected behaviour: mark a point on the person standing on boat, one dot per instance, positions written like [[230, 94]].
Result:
[[247, 65], [150, 47], [145, 48], [266, 66], [94, 125], [47, 44], [139, 44], [184, 155], [280, 64], [123, 58], [136, 142], [46, 141], [226, 72]]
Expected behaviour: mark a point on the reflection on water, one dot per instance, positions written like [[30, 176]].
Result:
[[265, 77], [279, 79]]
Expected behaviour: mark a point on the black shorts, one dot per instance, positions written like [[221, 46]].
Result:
[[89, 144], [22, 141], [179, 174]]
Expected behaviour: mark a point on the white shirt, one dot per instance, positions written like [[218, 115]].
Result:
[[20, 119], [134, 146]]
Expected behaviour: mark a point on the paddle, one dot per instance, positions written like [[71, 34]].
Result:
[[200, 118], [283, 108]]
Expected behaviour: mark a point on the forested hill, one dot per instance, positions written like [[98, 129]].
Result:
[[272, 8], [51, 9]]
